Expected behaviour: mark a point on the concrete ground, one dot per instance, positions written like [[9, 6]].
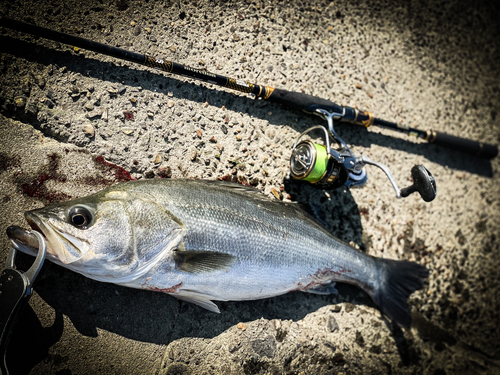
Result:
[[73, 122]]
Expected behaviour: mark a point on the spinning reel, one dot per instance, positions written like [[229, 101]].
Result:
[[329, 168]]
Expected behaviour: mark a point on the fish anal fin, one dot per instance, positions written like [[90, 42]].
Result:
[[323, 290], [197, 298], [200, 261]]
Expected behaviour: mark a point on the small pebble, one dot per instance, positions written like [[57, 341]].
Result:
[[20, 101], [149, 174], [127, 131], [213, 140], [49, 103], [358, 86], [165, 172], [170, 103], [199, 133], [40, 81], [275, 193], [93, 114], [89, 130], [332, 324], [238, 137], [158, 158], [129, 115], [242, 326], [193, 155]]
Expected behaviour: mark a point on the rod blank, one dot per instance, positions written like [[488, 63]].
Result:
[[304, 102]]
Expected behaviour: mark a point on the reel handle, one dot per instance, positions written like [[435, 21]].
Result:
[[423, 182]]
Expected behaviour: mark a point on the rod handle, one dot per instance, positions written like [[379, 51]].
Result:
[[314, 105], [301, 101], [483, 150]]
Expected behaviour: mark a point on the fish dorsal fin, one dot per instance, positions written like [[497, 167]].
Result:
[[249, 191], [197, 298], [315, 212], [200, 261], [232, 185]]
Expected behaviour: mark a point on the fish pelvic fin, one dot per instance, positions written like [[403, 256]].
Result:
[[197, 298], [398, 280]]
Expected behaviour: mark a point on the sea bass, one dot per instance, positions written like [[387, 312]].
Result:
[[204, 241]]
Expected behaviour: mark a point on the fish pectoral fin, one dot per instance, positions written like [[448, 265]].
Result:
[[197, 298], [323, 290], [199, 261]]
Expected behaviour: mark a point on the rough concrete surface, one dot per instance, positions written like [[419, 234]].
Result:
[[72, 122]]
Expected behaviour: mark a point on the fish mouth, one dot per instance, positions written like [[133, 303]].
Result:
[[23, 240], [57, 249]]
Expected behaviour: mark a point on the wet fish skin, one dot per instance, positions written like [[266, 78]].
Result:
[[207, 240]]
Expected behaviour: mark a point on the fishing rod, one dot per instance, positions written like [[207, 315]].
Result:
[[307, 103], [322, 165]]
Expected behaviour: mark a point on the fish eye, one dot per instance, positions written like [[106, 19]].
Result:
[[80, 217]]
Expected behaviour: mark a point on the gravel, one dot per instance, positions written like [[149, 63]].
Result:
[[85, 121]]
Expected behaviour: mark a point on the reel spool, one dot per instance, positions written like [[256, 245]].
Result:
[[314, 163]]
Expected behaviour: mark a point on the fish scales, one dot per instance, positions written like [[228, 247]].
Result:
[[277, 242], [206, 240]]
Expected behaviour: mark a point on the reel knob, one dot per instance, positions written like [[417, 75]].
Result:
[[423, 182]]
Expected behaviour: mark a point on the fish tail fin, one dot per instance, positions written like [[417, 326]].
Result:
[[398, 280]]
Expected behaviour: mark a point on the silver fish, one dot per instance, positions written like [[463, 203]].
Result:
[[202, 241]]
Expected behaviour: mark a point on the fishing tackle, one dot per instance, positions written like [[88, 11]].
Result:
[[321, 165], [15, 290], [330, 168], [297, 100]]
